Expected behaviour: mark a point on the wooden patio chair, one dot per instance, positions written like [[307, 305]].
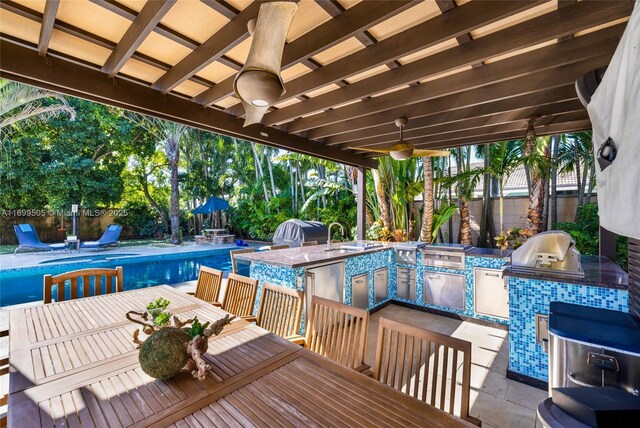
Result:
[[240, 295], [278, 247], [308, 243], [81, 280], [234, 262], [208, 286], [280, 311], [338, 332], [424, 364]]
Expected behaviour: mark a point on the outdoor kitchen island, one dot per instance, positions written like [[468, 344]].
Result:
[[480, 287]]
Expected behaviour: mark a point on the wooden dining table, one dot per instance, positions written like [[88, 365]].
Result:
[[74, 364]]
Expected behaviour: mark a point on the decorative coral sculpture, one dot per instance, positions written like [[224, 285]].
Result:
[[168, 349]]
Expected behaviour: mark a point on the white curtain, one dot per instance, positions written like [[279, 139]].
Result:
[[615, 113]]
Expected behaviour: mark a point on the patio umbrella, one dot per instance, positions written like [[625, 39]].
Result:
[[212, 204]]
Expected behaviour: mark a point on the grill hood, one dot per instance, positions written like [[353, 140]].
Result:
[[552, 252]]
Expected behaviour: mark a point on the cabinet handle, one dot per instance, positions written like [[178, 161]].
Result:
[[359, 281], [433, 276], [496, 275]]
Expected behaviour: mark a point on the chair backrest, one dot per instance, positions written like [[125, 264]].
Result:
[[111, 234], [208, 287], [234, 262], [337, 331], [308, 243], [26, 234], [278, 247], [280, 310], [240, 295], [104, 281], [424, 364]]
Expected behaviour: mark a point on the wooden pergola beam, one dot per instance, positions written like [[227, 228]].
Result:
[[24, 65], [475, 97], [212, 49], [400, 102], [48, 19], [477, 124], [222, 7], [552, 129], [568, 20], [332, 32], [540, 104], [142, 26]]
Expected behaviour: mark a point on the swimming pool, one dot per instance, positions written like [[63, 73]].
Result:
[[25, 284]]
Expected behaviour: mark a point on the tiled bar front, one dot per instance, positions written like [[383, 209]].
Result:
[[527, 296]]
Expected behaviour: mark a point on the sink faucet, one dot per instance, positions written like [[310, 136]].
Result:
[[329, 237]]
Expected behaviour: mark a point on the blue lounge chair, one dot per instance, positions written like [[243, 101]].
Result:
[[109, 237], [28, 239]]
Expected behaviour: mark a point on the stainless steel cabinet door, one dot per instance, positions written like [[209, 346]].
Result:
[[491, 295], [406, 283], [360, 291], [380, 285], [445, 289]]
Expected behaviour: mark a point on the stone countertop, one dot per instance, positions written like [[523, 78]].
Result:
[[488, 252], [598, 272], [308, 256]]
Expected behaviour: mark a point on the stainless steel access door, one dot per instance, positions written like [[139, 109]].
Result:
[[325, 281], [380, 285], [445, 289], [360, 291]]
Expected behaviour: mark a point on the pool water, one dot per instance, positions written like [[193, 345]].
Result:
[[25, 285]]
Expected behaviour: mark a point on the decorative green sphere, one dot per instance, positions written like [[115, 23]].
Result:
[[164, 353]]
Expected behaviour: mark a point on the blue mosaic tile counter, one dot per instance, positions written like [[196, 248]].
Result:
[[528, 297]]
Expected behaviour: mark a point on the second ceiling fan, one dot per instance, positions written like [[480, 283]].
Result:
[[403, 150]]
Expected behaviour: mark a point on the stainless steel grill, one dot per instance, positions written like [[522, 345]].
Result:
[[552, 252], [444, 256]]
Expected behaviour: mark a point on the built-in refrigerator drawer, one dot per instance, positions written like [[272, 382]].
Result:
[[360, 291], [406, 283], [380, 285], [445, 289]]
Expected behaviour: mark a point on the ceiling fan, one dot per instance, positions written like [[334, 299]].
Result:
[[258, 84], [403, 150]]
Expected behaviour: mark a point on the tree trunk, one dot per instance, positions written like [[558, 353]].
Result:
[[450, 199], [553, 208], [273, 183], [174, 206], [592, 183], [163, 215], [382, 201], [427, 211], [486, 202], [576, 153], [465, 222], [502, 208]]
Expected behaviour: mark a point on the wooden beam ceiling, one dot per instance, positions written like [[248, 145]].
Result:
[[422, 36], [142, 26], [24, 65], [379, 112], [232, 34], [472, 74], [547, 27], [538, 102], [329, 34], [48, 18]]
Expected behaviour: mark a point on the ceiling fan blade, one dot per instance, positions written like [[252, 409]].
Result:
[[429, 152], [373, 150], [258, 84]]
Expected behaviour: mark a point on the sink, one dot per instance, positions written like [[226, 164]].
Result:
[[338, 250], [361, 245]]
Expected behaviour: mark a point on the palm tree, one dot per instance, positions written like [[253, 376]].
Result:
[[575, 154], [464, 184], [427, 199], [169, 134], [537, 161], [21, 102], [504, 157]]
